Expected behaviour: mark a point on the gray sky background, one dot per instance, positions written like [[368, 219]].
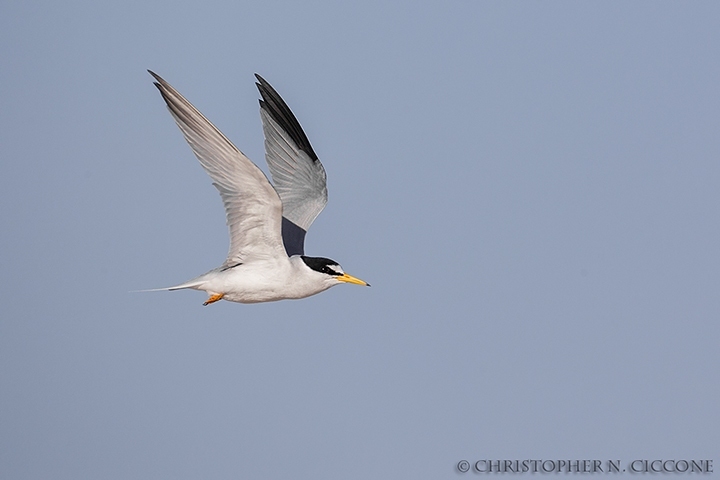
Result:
[[532, 189]]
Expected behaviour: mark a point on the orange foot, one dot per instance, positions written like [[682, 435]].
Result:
[[214, 298]]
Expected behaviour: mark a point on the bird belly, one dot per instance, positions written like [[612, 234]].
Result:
[[250, 283]]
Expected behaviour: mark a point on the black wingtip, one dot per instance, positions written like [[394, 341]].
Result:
[[159, 80], [275, 106]]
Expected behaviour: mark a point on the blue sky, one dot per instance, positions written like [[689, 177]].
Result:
[[530, 187]]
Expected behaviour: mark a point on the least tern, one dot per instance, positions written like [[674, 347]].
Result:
[[267, 224]]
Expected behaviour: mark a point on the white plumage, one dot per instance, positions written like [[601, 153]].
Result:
[[258, 267]]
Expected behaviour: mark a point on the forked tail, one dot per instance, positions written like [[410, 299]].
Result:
[[195, 283]]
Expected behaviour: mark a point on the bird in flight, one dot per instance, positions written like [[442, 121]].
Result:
[[267, 224]]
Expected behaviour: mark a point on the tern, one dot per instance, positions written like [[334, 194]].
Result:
[[266, 261]]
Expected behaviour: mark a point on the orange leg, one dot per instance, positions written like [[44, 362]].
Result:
[[214, 298]]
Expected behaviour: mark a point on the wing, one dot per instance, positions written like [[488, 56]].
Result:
[[298, 175], [252, 207]]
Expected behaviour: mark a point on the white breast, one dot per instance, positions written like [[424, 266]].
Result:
[[267, 280]]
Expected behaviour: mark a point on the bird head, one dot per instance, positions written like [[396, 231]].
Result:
[[332, 270]]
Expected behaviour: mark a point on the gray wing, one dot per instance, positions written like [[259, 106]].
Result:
[[252, 207], [298, 175]]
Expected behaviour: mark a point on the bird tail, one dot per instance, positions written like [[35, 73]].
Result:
[[189, 284]]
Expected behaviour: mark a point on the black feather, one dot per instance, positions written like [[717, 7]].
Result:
[[276, 107]]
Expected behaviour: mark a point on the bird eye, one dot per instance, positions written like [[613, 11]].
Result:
[[330, 271]]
